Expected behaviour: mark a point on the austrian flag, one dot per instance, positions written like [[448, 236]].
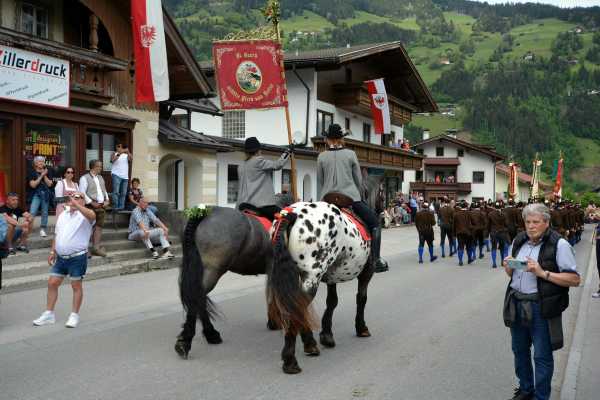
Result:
[[150, 51], [379, 106]]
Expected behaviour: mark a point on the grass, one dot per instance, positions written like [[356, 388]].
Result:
[[436, 123], [307, 22], [589, 151]]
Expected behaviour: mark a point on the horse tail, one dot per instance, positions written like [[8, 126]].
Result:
[[289, 305], [191, 289]]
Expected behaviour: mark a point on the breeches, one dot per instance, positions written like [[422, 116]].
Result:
[[464, 240], [426, 237], [446, 232], [499, 240]]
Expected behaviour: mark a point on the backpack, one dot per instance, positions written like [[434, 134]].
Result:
[[3, 231]]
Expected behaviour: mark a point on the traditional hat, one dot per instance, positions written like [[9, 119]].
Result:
[[334, 132], [251, 145]]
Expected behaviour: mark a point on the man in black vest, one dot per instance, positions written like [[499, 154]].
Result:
[[536, 296]]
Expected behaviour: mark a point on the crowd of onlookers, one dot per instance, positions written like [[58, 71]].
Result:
[[401, 210]]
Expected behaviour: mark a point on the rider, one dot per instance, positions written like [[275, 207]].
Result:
[[338, 171], [255, 191]]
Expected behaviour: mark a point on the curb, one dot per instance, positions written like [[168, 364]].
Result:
[[568, 390]]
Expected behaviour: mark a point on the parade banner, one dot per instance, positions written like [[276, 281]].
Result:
[[559, 174], [379, 106], [535, 180], [150, 51], [34, 78], [249, 74], [513, 181]]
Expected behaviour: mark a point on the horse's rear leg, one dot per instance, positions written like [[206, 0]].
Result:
[[311, 348], [361, 301], [288, 354], [210, 279], [326, 336], [184, 340]]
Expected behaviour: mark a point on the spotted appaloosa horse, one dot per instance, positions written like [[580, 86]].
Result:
[[225, 240], [314, 243]]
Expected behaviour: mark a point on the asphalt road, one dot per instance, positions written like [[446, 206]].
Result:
[[437, 334]]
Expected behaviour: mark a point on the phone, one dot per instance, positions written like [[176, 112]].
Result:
[[516, 264]]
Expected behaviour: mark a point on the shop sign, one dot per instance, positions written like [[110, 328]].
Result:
[[33, 78], [47, 144]]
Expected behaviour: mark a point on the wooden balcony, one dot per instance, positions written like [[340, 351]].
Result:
[[377, 156], [432, 187], [354, 97]]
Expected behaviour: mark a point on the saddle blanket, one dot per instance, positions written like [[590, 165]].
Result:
[[364, 233], [265, 222]]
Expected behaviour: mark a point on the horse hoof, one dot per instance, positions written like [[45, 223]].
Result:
[[326, 340], [292, 368], [312, 350], [363, 333], [183, 349], [272, 326], [213, 337]]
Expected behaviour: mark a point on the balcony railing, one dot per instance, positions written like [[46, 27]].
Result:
[[457, 187]]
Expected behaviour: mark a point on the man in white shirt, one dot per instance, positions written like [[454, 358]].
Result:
[[120, 175], [96, 198], [69, 257]]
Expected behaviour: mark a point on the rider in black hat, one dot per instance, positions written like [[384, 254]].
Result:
[[338, 171], [255, 191]]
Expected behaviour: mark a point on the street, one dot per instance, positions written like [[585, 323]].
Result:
[[437, 333]]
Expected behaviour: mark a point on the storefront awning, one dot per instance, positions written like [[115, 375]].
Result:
[[442, 161]]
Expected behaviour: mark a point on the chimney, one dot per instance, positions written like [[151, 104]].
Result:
[[426, 134]]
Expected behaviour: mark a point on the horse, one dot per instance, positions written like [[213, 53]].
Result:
[[223, 240], [313, 243]]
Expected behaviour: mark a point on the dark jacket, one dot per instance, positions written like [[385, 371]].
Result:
[[462, 223], [556, 220], [497, 222], [425, 221], [478, 221], [446, 217], [511, 214]]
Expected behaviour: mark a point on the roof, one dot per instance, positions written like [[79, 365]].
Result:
[[480, 148], [238, 144], [523, 177], [173, 134], [334, 58], [442, 161], [203, 106]]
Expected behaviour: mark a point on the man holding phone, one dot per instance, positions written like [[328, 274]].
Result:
[[541, 268], [69, 257]]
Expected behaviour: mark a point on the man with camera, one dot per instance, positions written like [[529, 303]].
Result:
[[68, 256], [120, 175], [541, 268]]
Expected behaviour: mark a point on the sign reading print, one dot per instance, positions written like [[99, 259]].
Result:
[[33, 78], [249, 74]]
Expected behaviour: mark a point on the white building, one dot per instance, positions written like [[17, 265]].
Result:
[[523, 192], [456, 169], [324, 86]]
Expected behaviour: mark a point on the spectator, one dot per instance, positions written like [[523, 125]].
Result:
[[40, 182], [135, 194], [412, 203], [536, 297], [140, 228], [16, 231], [69, 257], [64, 188], [96, 198], [120, 175]]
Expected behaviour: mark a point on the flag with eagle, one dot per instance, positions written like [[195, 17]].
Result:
[[379, 106]]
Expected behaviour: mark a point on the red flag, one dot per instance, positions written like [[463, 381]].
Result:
[[249, 74], [379, 106], [558, 184], [150, 51]]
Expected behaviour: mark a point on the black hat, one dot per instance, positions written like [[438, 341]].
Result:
[[334, 132], [252, 145]]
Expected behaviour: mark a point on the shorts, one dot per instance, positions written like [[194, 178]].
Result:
[[100, 216], [74, 267], [17, 234]]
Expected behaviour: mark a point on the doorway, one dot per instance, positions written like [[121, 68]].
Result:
[[100, 145], [7, 170]]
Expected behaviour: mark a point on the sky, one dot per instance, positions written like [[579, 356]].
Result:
[[559, 3]]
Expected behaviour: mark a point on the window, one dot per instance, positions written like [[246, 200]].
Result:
[[34, 20], [419, 176], [366, 133], [478, 176], [420, 151], [286, 177], [232, 183], [100, 146], [181, 120], [56, 143], [461, 152], [324, 119], [439, 152], [234, 124]]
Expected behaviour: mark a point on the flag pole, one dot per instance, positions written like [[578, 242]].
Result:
[[273, 12]]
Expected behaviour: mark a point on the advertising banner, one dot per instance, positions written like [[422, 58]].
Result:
[[249, 74], [33, 78]]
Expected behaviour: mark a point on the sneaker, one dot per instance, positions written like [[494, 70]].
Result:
[[167, 255], [46, 318], [520, 395], [11, 252], [23, 248], [596, 295], [155, 255], [73, 320], [43, 233]]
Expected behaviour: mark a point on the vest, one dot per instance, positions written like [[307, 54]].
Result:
[[92, 191], [554, 299]]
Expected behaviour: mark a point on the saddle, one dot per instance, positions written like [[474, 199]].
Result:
[[264, 221], [344, 203]]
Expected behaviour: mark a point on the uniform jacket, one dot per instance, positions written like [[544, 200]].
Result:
[[497, 222], [338, 171], [447, 217], [511, 214], [256, 180], [556, 220], [478, 220], [425, 221], [462, 223]]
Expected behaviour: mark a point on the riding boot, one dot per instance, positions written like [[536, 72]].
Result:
[[494, 258], [444, 250], [380, 264], [432, 258], [460, 256], [420, 249]]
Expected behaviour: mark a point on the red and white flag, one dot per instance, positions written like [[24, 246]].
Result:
[[379, 106], [559, 175], [150, 51]]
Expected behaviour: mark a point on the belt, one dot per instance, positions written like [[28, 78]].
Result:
[[80, 253], [526, 297]]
